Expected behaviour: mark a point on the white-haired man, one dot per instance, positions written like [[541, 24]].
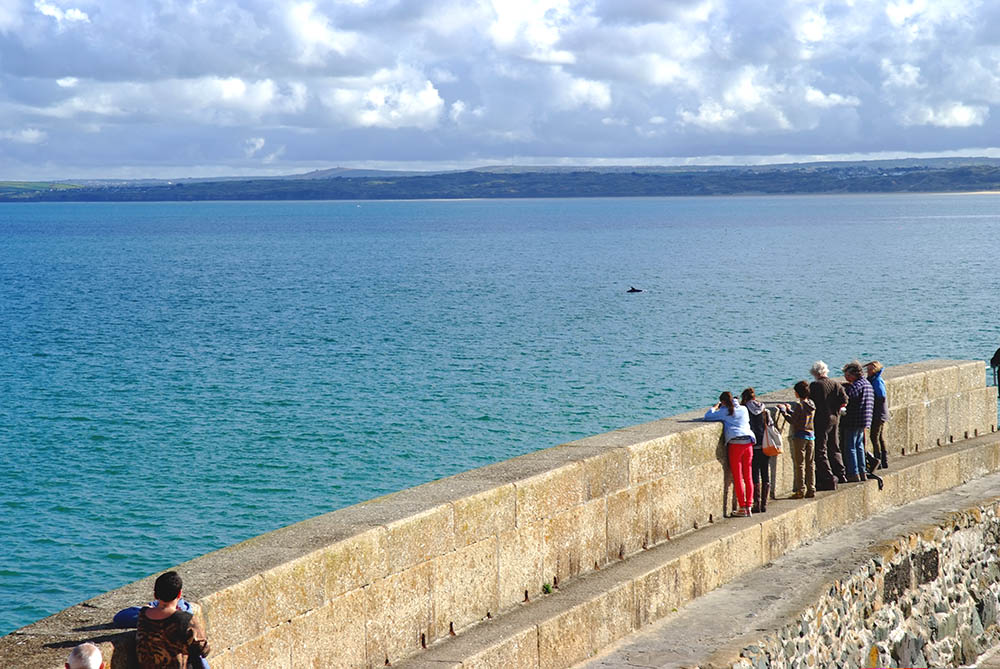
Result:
[[829, 398], [85, 656]]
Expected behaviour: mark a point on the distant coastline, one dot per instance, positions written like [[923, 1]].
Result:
[[970, 175]]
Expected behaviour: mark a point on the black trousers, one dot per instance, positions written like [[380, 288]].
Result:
[[829, 461]]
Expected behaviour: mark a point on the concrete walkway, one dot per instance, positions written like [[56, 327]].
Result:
[[716, 626]]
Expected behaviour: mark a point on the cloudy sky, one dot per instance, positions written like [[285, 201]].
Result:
[[207, 87]]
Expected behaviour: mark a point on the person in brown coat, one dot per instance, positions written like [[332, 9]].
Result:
[[829, 398], [166, 635]]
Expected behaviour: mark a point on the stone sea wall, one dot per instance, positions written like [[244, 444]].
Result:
[[929, 599], [375, 583]]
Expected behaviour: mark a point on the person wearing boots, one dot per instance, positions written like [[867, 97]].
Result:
[[761, 465], [829, 398], [880, 413], [801, 415]]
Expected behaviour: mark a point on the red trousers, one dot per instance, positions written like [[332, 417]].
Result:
[[740, 459]]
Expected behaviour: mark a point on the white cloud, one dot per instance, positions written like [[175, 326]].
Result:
[[316, 37], [948, 115], [574, 93], [67, 82], [252, 145], [905, 75], [25, 136], [711, 116], [396, 98], [818, 98], [71, 15], [532, 29]]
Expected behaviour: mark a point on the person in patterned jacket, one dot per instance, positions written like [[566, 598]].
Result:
[[166, 635]]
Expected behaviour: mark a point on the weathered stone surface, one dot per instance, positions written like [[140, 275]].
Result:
[[628, 522], [354, 562], [575, 541], [550, 492], [465, 588], [331, 636], [605, 473], [399, 608], [419, 537], [237, 613], [517, 651], [655, 458], [273, 649], [521, 554], [489, 513]]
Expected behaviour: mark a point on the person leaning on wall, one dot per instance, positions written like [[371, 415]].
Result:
[[829, 398], [857, 419], [739, 440], [880, 413], [167, 637]]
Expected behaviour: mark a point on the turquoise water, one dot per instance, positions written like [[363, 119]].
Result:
[[179, 377]]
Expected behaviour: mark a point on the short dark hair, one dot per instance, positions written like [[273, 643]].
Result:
[[802, 389], [167, 586]]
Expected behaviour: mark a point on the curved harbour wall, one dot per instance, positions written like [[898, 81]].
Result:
[[926, 599], [377, 582]]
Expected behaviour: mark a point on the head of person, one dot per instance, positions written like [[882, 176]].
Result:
[[819, 370], [726, 400], [852, 371], [85, 656], [802, 390], [167, 587], [872, 368], [747, 395]]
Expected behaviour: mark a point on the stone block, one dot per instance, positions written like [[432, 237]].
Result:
[[521, 553], [971, 375], [236, 613], [733, 555], [613, 615], [700, 444], [354, 562], [293, 588], [399, 615], [333, 636], [983, 410], [575, 541], [628, 522], [942, 473], [565, 639], [577, 633], [843, 508], [907, 389], [465, 589], [960, 417], [936, 423], [916, 427], [419, 537], [605, 473], [549, 492], [896, 431], [517, 651], [273, 649], [661, 591], [780, 534], [655, 458], [667, 508], [943, 382], [489, 513]]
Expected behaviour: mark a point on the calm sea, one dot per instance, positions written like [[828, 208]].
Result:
[[178, 377]]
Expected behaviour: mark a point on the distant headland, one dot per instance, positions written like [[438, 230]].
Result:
[[938, 175]]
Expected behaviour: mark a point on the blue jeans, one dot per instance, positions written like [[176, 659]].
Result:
[[854, 451]]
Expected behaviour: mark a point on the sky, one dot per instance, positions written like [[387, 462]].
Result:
[[173, 88]]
